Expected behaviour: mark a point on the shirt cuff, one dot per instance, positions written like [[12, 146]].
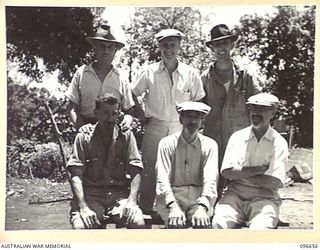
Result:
[[169, 198], [204, 201]]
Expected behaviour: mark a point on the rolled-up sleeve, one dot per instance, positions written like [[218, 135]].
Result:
[[77, 157], [134, 158], [140, 84], [278, 163], [163, 168], [127, 101], [197, 86], [72, 92]]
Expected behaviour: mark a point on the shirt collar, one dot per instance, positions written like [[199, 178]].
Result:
[[90, 68], [184, 143], [236, 68], [115, 134], [268, 135], [180, 68]]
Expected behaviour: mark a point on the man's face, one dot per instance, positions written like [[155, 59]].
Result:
[[222, 49], [191, 121], [107, 114], [169, 47], [261, 115], [104, 51]]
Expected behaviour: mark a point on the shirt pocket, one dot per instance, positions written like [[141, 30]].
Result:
[[239, 100], [93, 169], [182, 95]]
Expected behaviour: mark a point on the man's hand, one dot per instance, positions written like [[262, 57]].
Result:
[[177, 218], [126, 122], [89, 217], [130, 211], [87, 129], [200, 218]]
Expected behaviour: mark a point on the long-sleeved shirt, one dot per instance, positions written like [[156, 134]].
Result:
[[229, 112], [192, 165], [245, 150], [163, 93]]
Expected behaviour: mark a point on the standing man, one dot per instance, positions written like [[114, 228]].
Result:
[[227, 88], [255, 163], [165, 84], [98, 167], [97, 78], [187, 172]]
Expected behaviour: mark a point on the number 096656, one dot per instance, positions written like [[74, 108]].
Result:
[[309, 246]]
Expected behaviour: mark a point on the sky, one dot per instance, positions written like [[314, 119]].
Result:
[[229, 15]]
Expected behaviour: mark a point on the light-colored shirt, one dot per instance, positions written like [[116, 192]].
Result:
[[191, 165], [163, 94], [86, 86], [245, 150]]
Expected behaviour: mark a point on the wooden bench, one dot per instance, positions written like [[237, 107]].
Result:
[[151, 222], [155, 222]]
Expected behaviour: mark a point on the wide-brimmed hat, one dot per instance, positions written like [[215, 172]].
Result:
[[263, 99], [220, 32], [169, 33], [105, 33], [193, 106]]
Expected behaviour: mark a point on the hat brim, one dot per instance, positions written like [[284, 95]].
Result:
[[262, 104], [164, 37], [233, 38], [92, 39], [204, 113]]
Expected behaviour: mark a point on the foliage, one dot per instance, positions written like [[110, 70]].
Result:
[[57, 35], [150, 20], [27, 117], [283, 46], [27, 159]]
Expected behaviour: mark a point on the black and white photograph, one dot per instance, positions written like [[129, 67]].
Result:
[[160, 118]]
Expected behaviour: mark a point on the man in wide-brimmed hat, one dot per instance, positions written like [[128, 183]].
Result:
[[97, 78], [255, 165], [165, 84], [227, 88], [187, 171]]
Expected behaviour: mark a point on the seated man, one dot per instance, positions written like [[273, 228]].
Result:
[[187, 172], [255, 165], [98, 167]]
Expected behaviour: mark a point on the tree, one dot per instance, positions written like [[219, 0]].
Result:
[[147, 21], [57, 35], [28, 119], [283, 45]]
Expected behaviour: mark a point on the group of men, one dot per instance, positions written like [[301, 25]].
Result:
[[210, 158]]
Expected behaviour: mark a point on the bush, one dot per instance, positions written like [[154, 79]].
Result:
[[26, 159]]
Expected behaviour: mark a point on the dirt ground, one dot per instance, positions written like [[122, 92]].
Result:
[[25, 209], [297, 207]]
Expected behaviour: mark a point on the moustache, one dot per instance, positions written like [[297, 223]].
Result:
[[256, 116]]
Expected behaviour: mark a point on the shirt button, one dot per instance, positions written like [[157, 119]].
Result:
[[111, 182], [109, 193]]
